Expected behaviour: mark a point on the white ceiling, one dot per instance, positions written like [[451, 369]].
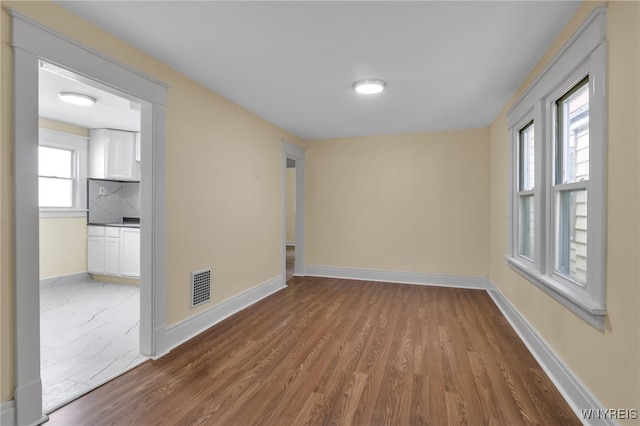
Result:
[[448, 65], [110, 111]]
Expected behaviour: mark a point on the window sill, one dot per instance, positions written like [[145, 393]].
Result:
[[44, 213], [575, 301]]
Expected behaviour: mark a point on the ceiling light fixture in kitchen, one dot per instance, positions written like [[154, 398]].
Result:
[[76, 98], [369, 87]]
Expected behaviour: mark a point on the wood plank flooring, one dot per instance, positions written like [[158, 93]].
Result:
[[339, 352]]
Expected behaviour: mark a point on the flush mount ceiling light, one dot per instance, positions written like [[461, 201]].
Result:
[[76, 98], [369, 87]]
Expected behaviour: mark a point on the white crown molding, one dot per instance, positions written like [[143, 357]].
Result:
[[572, 389], [400, 277], [175, 335]]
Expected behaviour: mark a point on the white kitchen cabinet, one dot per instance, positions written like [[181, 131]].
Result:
[[138, 156], [114, 251], [95, 250], [130, 252], [112, 154]]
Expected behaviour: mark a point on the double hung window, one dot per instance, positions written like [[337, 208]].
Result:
[[557, 207], [62, 164], [526, 184], [56, 176]]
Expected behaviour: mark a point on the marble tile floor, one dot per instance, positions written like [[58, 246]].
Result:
[[88, 336]]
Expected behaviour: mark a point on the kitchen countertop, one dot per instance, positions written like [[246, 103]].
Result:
[[117, 225]]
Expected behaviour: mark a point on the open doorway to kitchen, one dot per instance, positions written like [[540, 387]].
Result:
[[89, 199], [32, 43]]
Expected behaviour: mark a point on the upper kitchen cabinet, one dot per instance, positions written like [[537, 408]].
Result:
[[113, 155]]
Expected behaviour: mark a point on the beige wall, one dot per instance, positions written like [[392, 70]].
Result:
[[608, 362], [63, 246], [291, 204], [63, 241], [415, 202], [59, 126], [407, 202], [234, 228]]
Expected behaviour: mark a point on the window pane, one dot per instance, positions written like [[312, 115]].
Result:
[[55, 192], [526, 226], [571, 241], [527, 159], [573, 135], [55, 162]]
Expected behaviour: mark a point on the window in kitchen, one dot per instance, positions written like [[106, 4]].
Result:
[[56, 176], [61, 174], [557, 180]]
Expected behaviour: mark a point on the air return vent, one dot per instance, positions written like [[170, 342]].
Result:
[[200, 287]]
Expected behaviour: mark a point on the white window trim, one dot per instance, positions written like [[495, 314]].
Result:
[[79, 145], [584, 54]]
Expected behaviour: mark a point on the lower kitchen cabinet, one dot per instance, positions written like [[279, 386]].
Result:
[[113, 251], [95, 250], [130, 252]]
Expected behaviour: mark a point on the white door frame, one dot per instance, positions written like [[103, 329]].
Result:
[[31, 42], [296, 153]]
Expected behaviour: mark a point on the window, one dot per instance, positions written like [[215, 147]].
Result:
[[56, 175], [526, 182], [557, 210], [571, 180], [61, 174]]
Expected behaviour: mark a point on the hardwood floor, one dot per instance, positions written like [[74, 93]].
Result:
[[328, 351]]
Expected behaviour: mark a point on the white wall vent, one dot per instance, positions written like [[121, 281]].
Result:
[[200, 287]]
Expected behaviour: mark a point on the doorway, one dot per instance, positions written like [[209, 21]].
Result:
[[293, 202], [32, 43], [89, 317], [290, 212]]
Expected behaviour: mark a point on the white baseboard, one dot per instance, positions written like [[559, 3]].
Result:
[[398, 277], [574, 392], [291, 243], [179, 333], [28, 404], [65, 279], [8, 413]]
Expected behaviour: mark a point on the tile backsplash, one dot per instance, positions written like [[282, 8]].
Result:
[[111, 201]]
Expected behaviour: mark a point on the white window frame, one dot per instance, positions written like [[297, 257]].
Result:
[[584, 54], [79, 145], [518, 194]]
